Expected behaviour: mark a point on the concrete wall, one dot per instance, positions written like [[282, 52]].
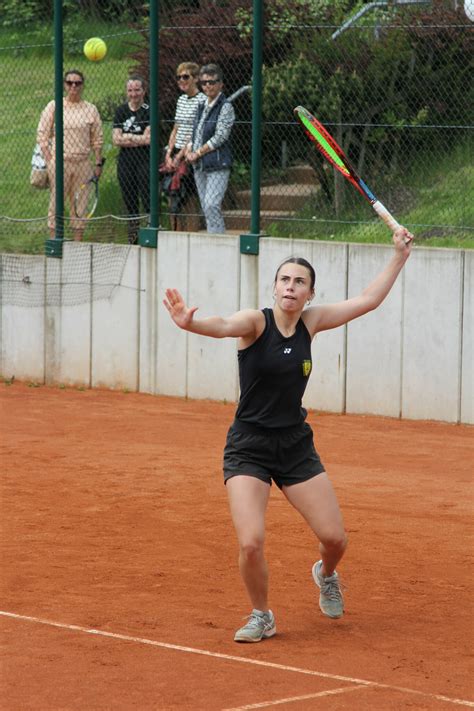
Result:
[[96, 318]]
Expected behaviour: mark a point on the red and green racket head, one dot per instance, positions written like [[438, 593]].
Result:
[[326, 144], [333, 153]]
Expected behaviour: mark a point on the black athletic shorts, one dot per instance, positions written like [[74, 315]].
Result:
[[286, 455]]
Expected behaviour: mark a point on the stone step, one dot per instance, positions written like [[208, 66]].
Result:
[[303, 174], [281, 197], [277, 202]]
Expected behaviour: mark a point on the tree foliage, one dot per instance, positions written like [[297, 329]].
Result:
[[23, 12], [208, 34], [395, 68], [374, 85]]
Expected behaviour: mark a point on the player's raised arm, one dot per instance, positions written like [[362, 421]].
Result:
[[242, 324], [324, 317]]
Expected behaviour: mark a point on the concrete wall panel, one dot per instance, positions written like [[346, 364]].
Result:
[[115, 322], [214, 286], [22, 317], [75, 315], [171, 366], [96, 317], [467, 382], [148, 333], [52, 321], [326, 388], [248, 281], [374, 340], [432, 335]]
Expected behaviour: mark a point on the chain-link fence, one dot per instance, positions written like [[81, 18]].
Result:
[[391, 81]]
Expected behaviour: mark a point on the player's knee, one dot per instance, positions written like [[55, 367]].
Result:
[[252, 548], [336, 541]]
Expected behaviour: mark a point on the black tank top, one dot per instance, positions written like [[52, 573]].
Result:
[[273, 375]]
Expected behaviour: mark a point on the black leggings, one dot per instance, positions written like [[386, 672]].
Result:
[[134, 181]]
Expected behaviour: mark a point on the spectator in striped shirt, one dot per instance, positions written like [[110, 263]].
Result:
[[209, 150], [183, 202], [187, 75]]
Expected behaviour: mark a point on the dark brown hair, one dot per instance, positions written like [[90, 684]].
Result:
[[137, 77], [74, 71], [303, 263]]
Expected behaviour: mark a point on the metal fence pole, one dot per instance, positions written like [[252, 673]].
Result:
[[54, 247], [148, 236], [249, 243]]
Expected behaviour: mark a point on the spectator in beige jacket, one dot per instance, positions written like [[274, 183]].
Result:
[[83, 136]]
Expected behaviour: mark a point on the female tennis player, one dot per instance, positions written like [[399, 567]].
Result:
[[269, 438]]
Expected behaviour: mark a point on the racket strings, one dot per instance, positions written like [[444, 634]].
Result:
[[86, 199]]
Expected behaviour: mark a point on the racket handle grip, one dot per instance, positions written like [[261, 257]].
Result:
[[384, 214]]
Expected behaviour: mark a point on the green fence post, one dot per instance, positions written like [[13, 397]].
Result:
[[54, 247], [249, 243], [148, 236]]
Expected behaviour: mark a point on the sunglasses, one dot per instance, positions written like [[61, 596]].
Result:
[[212, 82], [183, 76], [73, 83]]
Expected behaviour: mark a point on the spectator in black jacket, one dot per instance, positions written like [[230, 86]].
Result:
[[131, 133]]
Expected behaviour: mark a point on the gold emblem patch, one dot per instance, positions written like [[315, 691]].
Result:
[[307, 365]]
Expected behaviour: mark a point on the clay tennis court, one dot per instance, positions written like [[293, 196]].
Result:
[[120, 587]]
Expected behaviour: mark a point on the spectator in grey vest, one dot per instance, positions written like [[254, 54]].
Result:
[[209, 150]]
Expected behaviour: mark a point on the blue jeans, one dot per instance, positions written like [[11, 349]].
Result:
[[211, 189]]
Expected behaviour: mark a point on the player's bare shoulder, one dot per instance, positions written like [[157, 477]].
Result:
[[312, 318], [255, 321]]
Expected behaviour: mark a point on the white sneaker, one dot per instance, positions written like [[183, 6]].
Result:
[[260, 626], [331, 601]]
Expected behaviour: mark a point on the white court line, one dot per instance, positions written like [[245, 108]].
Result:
[[265, 704], [232, 658]]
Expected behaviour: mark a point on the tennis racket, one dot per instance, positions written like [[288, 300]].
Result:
[[326, 144], [86, 198]]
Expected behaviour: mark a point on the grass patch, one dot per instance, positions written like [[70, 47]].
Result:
[[27, 80], [30, 93], [35, 40]]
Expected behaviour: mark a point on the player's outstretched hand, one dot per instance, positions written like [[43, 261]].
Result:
[[177, 309], [402, 240]]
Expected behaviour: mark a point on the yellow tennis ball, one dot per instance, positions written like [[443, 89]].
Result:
[[95, 49]]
